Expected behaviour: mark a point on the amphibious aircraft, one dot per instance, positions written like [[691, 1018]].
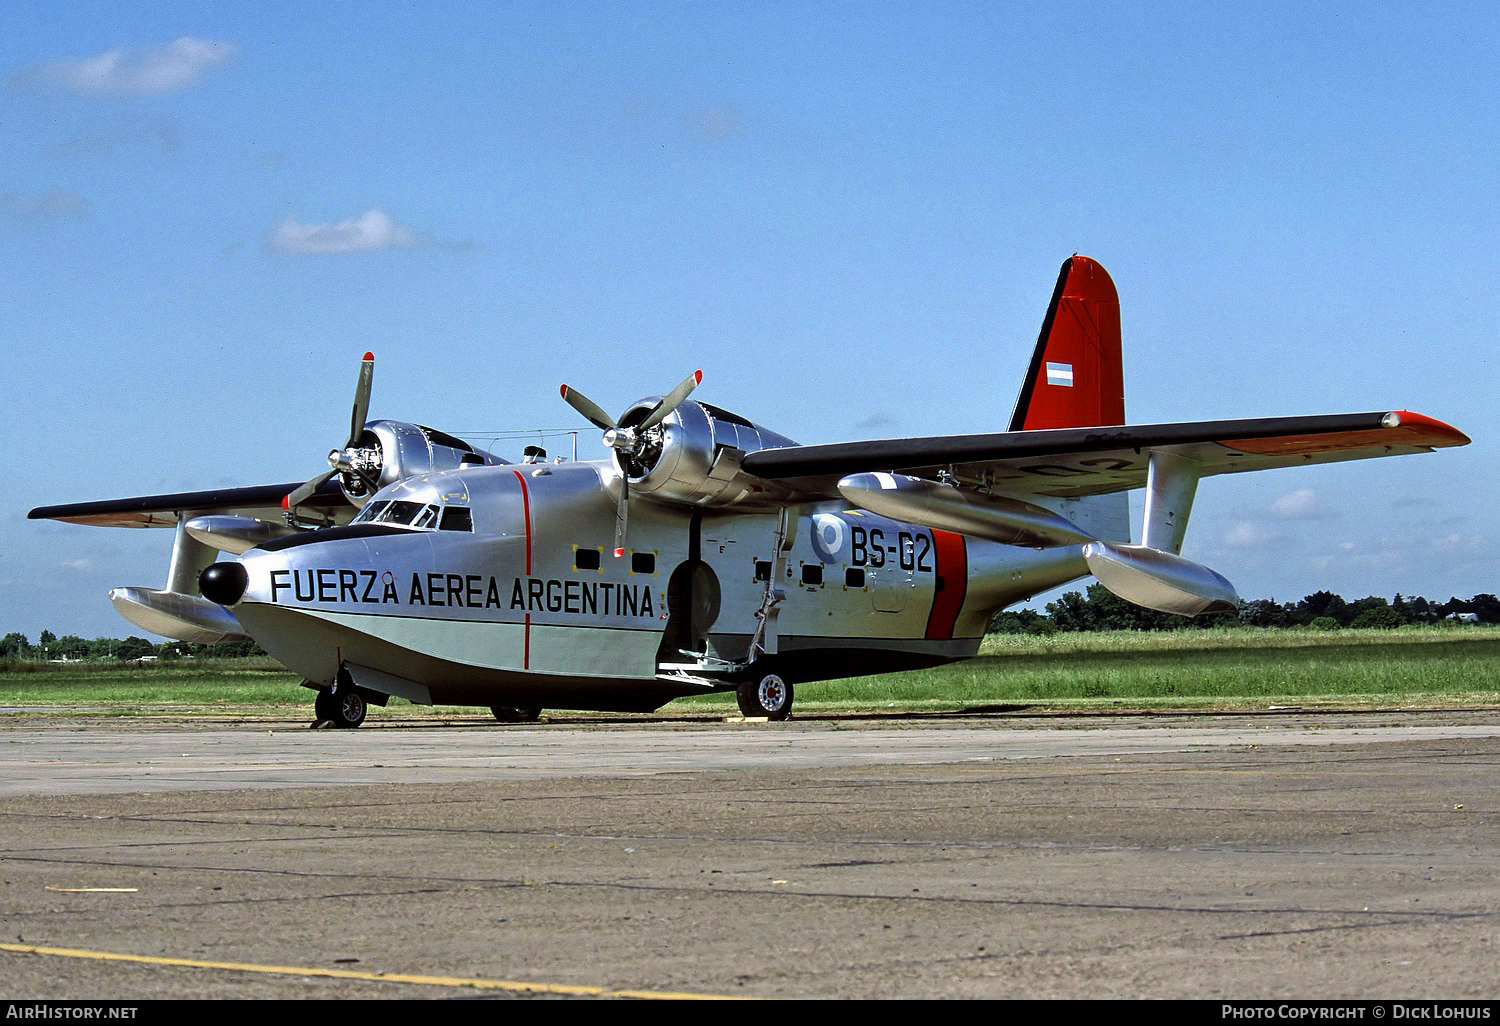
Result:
[[708, 553]]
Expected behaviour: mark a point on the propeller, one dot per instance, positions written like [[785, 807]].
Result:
[[351, 460], [632, 442]]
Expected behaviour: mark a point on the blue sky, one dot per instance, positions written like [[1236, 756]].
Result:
[[850, 215]]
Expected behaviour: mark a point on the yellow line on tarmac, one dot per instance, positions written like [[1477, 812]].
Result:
[[350, 974]]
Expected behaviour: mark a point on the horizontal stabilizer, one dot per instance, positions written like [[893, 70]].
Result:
[[946, 508], [173, 614], [1159, 580]]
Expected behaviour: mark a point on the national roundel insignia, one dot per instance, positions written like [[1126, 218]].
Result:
[[829, 535]]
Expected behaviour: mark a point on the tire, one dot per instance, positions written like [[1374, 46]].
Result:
[[325, 706], [516, 713], [767, 695], [349, 707]]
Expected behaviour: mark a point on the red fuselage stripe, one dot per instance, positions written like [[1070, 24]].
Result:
[[526, 509], [951, 586]]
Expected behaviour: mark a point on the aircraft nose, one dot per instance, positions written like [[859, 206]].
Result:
[[223, 583]]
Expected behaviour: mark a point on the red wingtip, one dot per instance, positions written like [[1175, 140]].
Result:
[[286, 502], [1428, 431], [697, 377], [619, 553], [369, 358], [563, 391]]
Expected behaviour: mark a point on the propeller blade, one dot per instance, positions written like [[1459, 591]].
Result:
[[673, 400], [586, 406], [302, 493], [622, 513], [361, 401]]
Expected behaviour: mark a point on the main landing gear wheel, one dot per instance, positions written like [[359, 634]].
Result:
[[517, 713], [768, 695], [343, 708]]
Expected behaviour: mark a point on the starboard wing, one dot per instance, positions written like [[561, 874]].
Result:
[[1075, 462]]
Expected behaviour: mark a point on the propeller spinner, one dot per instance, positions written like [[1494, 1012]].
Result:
[[357, 465], [630, 442]]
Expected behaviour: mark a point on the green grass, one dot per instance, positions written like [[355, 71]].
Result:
[[209, 683], [1243, 668], [1230, 667]]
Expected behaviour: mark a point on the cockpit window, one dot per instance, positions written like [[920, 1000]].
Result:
[[428, 517], [457, 518], [370, 512], [399, 512]]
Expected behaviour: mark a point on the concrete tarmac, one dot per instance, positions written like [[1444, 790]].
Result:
[[1288, 856]]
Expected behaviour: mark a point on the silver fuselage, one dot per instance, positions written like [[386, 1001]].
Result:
[[532, 606]]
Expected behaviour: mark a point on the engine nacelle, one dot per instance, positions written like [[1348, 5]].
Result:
[[693, 456], [390, 450]]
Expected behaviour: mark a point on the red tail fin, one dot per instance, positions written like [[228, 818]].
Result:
[[1076, 378]]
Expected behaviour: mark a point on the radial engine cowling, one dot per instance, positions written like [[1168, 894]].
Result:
[[693, 456], [390, 450]]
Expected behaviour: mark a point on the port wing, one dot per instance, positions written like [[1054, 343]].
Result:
[[263, 502]]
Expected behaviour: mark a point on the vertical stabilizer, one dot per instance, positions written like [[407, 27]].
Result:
[[1076, 378]]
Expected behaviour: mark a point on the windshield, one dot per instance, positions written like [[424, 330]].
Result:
[[423, 516]]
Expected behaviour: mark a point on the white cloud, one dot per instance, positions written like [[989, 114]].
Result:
[[79, 564], [1456, 540], [1245, 535], [1302, 504], [1385, 557], [374, 229], [146, 71]]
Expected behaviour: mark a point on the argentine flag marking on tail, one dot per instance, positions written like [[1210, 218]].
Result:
[[1060, 374]]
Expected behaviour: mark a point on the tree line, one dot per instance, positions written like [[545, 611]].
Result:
[[1101, 610], [71, 648]]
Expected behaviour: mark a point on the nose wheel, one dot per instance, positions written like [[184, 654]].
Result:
[[768, 695], [345, 707]]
